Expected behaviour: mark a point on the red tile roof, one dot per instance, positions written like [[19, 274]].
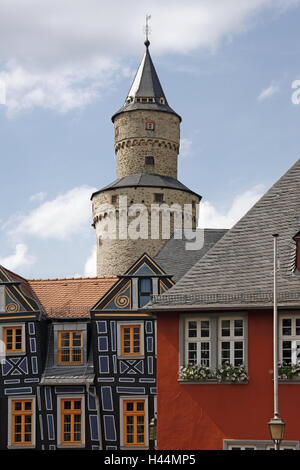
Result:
[[70, 298]]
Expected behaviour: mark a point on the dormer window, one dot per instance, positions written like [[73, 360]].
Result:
[[150, 125], [70, 347], [149, 161], [162, 101], [297, 240], [145, 291]]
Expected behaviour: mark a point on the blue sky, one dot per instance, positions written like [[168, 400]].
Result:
[[226, 66]]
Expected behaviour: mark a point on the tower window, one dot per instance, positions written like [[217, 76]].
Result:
[[158, 197], [297, 240], [149, 160], [150, 125], [114, 199]]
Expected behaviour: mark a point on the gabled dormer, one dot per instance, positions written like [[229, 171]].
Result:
[[16, 297], [133, 290]]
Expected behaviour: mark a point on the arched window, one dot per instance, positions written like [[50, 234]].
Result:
[[297, 240]]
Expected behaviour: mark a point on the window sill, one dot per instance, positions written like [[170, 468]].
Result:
[[127, 358], [212, 382], [294, 380], [122, 447], [21, 446]]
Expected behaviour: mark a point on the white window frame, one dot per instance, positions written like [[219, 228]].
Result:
[[198, 339], [132, 398], [9, 436], [229, 444], [22, 352], [61, 445], [293, 338], [215, 352], [231, 339]]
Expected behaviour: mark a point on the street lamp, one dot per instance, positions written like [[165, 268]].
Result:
[[153, 429], [276, 424], [276, 428]]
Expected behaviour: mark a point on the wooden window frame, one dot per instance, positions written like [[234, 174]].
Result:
[[134, 414], [13, 350], [23, 413], [150, 128], [131, 345], [72, 412], [70, 348]]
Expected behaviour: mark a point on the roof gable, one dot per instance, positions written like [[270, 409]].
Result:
[[16, 296], [119, 296]]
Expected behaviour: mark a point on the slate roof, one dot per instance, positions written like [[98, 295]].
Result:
[[146, 84], [176, 260], [238, 269], [147, 180], [70, 298]]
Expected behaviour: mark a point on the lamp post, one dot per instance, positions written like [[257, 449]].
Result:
[[276, 424], [153, 429]]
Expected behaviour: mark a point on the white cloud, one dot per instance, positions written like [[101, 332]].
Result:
[[268, 92], [66, 215], [19, 259], [38, 197], [60, 55], [185, 147], [212, 217], [90, 264]]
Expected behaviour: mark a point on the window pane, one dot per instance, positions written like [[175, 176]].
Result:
[[298, 326], [192, 329], [144, 299], [140, 406], [287, 352], [145, 285], [238, 328], [205, 329], [225, 327], [287, 326]]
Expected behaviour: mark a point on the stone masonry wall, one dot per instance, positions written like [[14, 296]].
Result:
[[134, 142], [115, 256]]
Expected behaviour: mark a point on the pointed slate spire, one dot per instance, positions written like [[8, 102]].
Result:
[[146, 91]]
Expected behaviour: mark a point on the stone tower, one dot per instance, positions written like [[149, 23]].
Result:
[[147, 137]]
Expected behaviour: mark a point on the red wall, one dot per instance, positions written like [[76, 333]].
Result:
[[200, 416]]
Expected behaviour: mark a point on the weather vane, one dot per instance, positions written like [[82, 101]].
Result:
[[147, 30]]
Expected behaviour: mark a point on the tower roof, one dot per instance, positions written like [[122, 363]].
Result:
[[146, 91], [147, 180]]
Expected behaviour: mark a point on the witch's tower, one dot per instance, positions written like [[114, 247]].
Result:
[[147, 135]]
